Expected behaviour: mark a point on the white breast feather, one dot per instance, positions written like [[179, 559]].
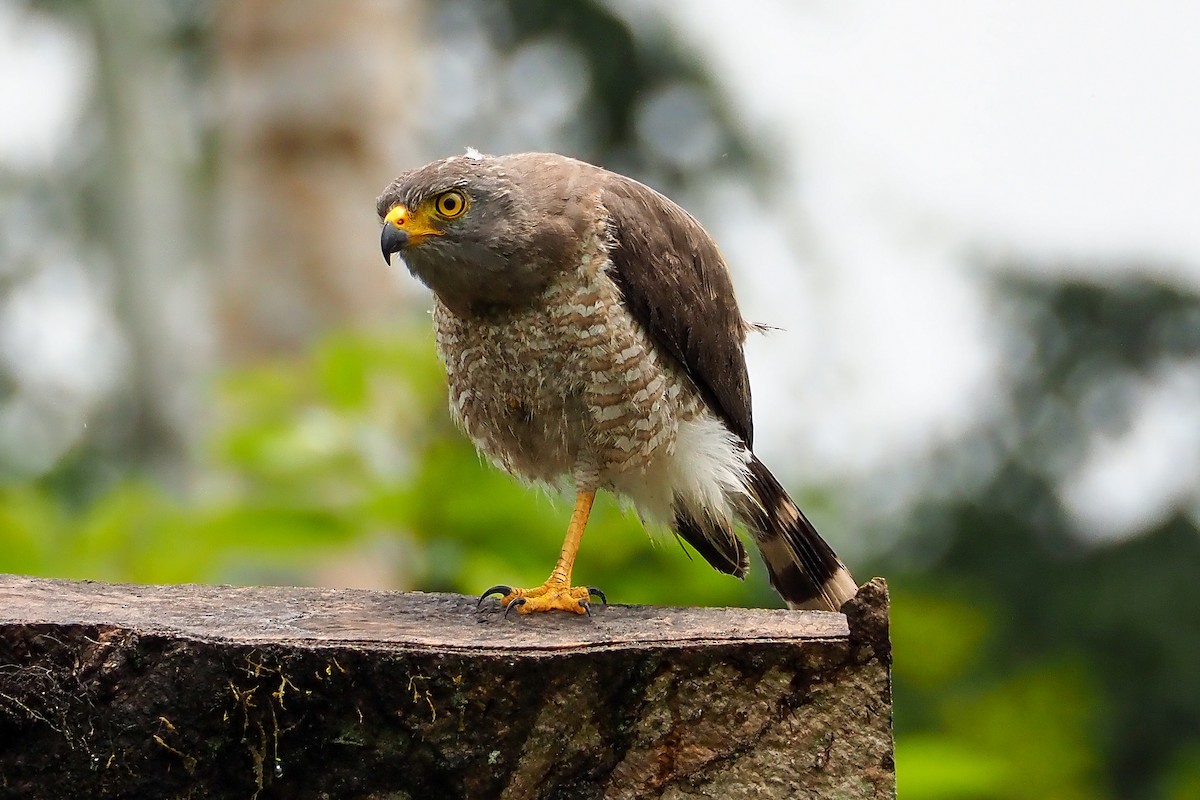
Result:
[[706, 468]]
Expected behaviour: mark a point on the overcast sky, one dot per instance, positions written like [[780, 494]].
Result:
[[918, 136]]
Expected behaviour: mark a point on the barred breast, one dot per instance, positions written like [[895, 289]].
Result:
[[570, 387]]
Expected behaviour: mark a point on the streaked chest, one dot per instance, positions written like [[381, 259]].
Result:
[[571, 385]]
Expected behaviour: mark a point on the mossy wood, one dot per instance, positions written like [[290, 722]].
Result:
[[110, 690]]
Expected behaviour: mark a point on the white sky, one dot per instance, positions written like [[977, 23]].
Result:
[[42, 84], [916, 135]]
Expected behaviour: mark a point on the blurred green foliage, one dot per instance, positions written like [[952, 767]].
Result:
[[345, 455], [1058, 665]]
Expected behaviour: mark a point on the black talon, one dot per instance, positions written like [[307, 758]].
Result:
[[501, 590], [587, 607], [517, 601], [594, 592]]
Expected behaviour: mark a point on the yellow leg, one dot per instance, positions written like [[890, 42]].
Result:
[[556, 593]]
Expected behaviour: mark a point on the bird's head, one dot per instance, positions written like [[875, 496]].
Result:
[[483, 232]]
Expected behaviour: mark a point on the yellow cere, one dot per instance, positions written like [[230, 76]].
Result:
[[418, 225], [397, 216]]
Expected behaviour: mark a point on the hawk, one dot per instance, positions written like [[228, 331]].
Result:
[[590, 334]]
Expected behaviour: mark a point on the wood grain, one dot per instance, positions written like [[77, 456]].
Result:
[[115, 690]]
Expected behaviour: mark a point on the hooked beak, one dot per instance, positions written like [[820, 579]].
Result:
[[392, 240], [403, 229], [395, 236]]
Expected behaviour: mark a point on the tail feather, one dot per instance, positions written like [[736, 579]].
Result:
[[712, 537], [803, 568]]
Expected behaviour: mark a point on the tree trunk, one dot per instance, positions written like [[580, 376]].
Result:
[[314, 104], [111, 690]]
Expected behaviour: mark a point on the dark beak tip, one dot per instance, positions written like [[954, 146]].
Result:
[[392, 240]]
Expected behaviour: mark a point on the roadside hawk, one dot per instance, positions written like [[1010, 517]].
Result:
[[590, 334]]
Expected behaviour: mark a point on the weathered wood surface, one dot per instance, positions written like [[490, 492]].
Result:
[[111, 690]]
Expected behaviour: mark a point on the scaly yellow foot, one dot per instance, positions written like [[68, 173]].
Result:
[[556, 593], [550, 596]]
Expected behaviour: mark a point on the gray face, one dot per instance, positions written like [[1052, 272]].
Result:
[[515, 235]]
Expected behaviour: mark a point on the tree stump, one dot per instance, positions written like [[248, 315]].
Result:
[[110, 690]]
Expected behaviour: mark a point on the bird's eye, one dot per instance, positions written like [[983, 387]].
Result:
[[451, 205]]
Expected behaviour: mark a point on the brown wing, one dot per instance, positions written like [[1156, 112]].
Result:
[[675, 283]]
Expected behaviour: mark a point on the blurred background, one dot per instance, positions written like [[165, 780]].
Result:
[[976, 227]]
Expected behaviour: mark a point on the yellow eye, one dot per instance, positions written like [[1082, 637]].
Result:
[[451, 205]]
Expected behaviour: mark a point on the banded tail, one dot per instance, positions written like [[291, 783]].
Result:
[[803, 568]]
